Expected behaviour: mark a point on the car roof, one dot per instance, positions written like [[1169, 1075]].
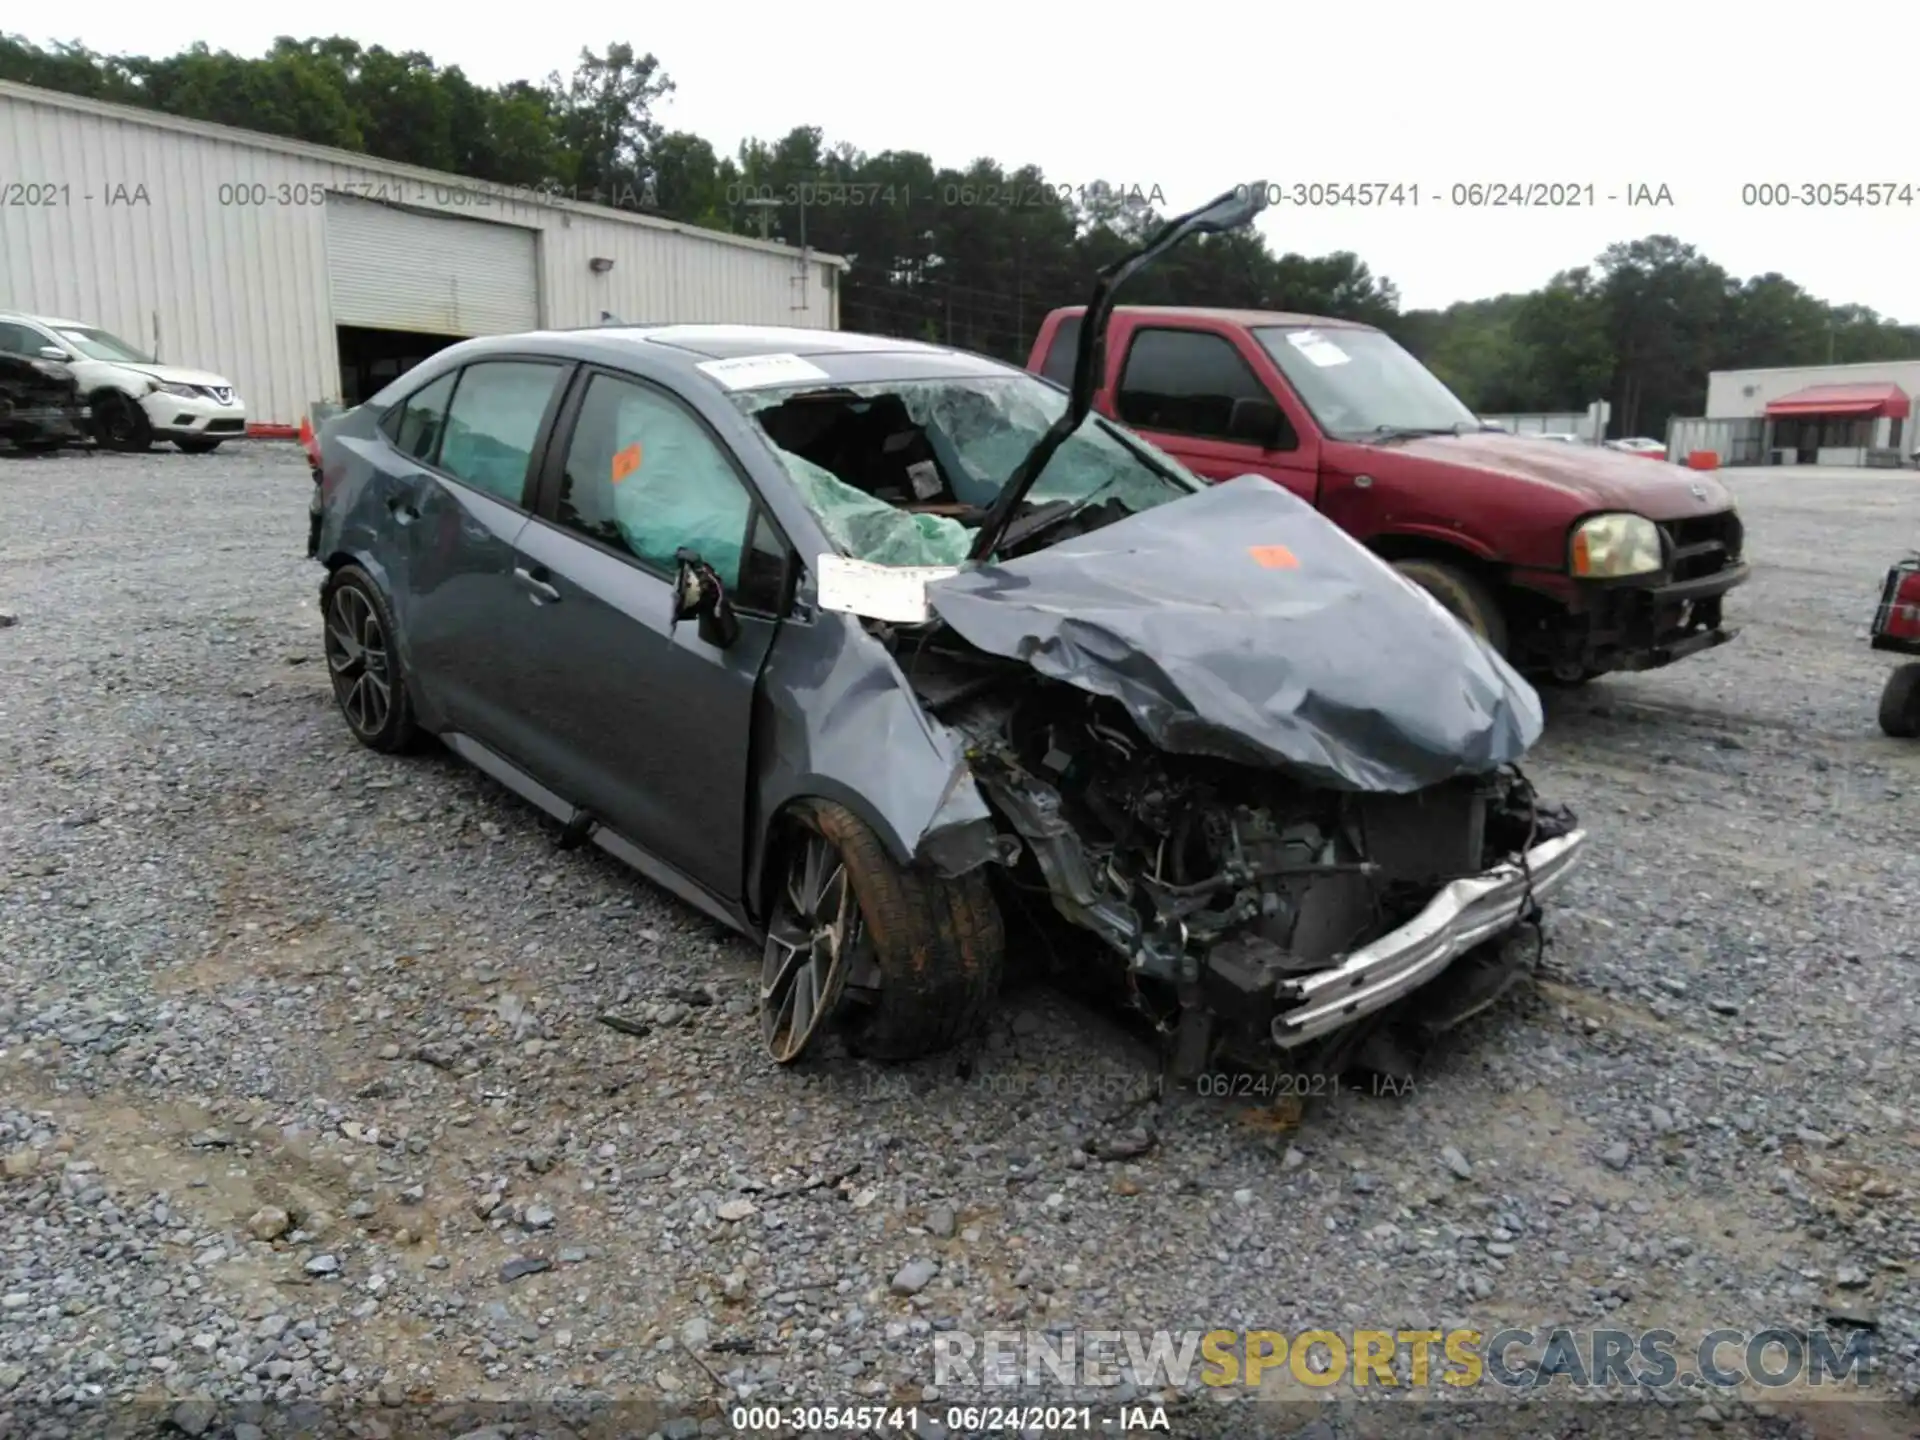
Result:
[[50, 321], [1248, 318], [846, 357]]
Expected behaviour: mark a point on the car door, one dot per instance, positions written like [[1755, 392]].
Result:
[[646, 724], [458, 492], [1178, 386]]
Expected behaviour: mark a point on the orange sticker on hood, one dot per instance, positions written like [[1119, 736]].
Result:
[[1273, 557], [626, 462]]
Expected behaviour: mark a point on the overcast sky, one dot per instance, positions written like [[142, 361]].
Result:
[[1191, 98]]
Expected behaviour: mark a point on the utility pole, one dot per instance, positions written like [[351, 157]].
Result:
[[766, 208]]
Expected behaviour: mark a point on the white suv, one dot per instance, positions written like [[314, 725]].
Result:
[[134, 399]]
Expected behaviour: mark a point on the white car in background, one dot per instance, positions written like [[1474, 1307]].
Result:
[[1653, 449], [135, 400]]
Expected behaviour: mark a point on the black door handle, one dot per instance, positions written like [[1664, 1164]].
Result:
[[534, 583]]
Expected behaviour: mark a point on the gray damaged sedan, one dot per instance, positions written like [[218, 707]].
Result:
[[903, 663]]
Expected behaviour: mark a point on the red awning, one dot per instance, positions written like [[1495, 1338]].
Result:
[[1879, 397]]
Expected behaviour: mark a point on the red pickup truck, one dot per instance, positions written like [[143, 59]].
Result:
[[1571, 560]]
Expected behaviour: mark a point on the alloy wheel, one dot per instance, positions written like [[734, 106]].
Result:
[[357, 657], [815, 927]]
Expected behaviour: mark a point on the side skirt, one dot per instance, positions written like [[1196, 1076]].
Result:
[[580, 822]]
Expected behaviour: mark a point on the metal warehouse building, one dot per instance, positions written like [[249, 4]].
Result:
[[305, 273]]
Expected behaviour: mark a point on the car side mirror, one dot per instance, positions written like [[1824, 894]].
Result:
[[1256, 422], [699, 595], [52, 352]]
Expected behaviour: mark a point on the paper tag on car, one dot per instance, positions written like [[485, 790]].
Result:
[[1317, 348], [895, 593], [751, 372], [925, 476]]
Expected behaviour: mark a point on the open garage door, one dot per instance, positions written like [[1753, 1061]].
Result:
[[394, 269]]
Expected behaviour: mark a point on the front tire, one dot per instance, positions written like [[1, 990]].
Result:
[[1464, 596], [913, 958], [1900, 703], [363, 661], [120, 424], [196, 446]]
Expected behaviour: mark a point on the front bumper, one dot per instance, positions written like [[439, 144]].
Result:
[[1636, 625], [195, 416], [52, 422], [1465, 913]]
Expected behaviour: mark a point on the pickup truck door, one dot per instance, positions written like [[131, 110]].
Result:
[[1175, 380]]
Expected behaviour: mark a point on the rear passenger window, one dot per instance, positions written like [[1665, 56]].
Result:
[[1185, 382], [493, 423], [414, 424], [1058, 366]]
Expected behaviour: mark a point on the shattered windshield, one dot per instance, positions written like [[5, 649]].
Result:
[[1359, 383], [902, 473]]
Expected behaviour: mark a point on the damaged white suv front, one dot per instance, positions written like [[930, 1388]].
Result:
[[133, 398]]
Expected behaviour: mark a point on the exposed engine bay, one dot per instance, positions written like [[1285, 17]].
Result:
[[1214, 883]]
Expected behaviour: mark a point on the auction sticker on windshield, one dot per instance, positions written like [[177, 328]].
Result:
[[1317, 348], [750, 372], [895, 593], [1274, 557]]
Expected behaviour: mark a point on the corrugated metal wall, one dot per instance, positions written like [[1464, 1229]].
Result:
[[200, 242]]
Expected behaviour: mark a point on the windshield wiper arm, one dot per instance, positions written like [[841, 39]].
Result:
[[1382, 433], [1052, 515]]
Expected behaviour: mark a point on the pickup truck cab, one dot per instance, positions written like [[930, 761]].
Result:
[[1570, 560]]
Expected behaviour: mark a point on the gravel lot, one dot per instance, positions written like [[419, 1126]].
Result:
[[300, 1052]]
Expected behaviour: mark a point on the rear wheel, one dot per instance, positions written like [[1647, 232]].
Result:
[[913, 959], [1465, 596], [1900, 703], [120, 424], [196, 445], [364, 663]]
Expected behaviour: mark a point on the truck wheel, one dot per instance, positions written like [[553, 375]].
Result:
[[914, 959], [1464, 596], [1900, 703]]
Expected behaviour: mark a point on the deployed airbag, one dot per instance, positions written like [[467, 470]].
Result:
[[870, 529], [1240, 623]]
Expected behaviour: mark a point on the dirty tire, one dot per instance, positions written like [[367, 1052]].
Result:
[[353, 611], [196, 446], [939, 943], [1900, 703], [120, 424], [1466, 597]]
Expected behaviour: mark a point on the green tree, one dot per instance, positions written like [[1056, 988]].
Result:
[[976, 254]]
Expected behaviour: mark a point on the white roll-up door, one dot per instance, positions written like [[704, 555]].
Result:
[[393, 269]]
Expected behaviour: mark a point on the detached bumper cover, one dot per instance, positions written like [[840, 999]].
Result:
[[1462, 915]]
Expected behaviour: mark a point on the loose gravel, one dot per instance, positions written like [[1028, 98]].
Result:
[[306, 1095]]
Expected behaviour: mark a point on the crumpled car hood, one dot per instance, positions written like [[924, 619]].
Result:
[[1240, 623]]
